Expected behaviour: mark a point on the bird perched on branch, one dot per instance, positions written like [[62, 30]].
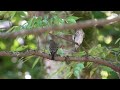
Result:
[[53, 47], [5, 24], [78, 37]]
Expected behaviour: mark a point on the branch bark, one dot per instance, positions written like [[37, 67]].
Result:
[[84, 24], [58, 58]]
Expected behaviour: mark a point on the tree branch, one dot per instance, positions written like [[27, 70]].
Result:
[[84, 24], [58, 58]]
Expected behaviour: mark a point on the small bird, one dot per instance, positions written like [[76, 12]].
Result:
[[78, 37], [53, 47], [5, 24]]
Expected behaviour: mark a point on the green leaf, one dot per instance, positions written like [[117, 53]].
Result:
[[51, 21], [39, 21], [104, 74], [98, 14], [89, 64], [71, 19], [105, 68], [21, 48], [2, 13], [46, 17], [35, 62], [22, 13], [76, 73], [2, 45], [80, 54], [99, 51], [45, 22], [60, 52], [27, 58], [31, 23], [12, 14], [92, 71], [15, 28], [117, 40], [69, 74], [78, 69], [116, 49], [57, 20], [81, 65]]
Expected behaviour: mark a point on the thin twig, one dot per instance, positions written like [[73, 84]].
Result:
[[64, 39]]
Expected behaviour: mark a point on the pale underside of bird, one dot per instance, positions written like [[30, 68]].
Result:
[[78, 37], [5, 24]]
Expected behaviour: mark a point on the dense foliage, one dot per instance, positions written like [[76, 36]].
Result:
[[102, 42]]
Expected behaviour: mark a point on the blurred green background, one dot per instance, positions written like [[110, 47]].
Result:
[[102, 42]]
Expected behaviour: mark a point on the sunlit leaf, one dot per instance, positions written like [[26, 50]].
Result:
[[21, 48], [104, 74], [30, 37], [32, 46], [2, 12], [71, 19], [2, 46]]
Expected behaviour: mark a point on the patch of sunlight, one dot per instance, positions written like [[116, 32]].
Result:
[[20, 64], [27, 75], [26, 13], [104, 74], [100, 37], [117, 29], [113, 15], [23, 22], [14, 59], [2, 45], [108, 39], [15, 45], [30, 37], [20, 40], [108, 13], [32, 46], [13, 20]]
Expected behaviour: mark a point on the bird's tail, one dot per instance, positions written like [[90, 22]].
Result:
[[52, 58]]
